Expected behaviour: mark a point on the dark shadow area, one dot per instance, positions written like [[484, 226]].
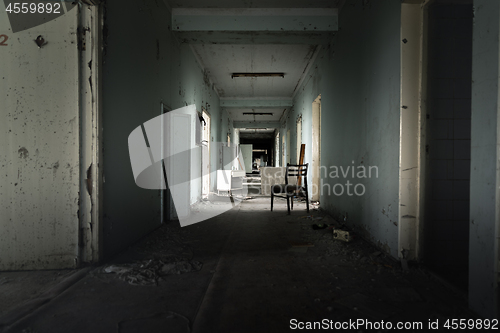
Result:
[[448, 145]]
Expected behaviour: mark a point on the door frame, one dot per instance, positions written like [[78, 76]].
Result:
[[205, 187], [90, 232], [316, 148], [412, 129], [299, 136]]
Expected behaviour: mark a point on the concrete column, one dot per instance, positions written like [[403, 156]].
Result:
[[485, 175]]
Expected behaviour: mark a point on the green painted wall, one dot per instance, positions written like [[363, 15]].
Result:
[[144, 65], [358, 77]]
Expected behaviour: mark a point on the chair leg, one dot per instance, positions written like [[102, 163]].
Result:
[[291, 198], [272, 199], [307, 200], [288, 203]]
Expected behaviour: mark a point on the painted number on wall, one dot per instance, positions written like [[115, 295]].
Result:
[[3, 39]]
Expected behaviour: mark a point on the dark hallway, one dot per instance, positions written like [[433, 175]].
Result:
[[142, 142]]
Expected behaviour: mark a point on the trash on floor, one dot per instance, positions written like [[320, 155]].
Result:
[[117, 269], [343, 235]]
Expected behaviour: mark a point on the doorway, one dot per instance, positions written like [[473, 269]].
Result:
[[283, 149], [287, 147], [299, 137], [205, 155], [316, 148], [277, 149]]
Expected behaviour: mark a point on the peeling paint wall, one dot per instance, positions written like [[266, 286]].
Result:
[[144, 65], [39, 150], [358, 77]]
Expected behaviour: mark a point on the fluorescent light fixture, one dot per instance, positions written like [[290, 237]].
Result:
[[257, 113], [257, 75]]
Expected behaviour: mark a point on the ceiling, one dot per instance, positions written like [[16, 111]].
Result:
[[267, 36], [254, 3], [222, 60], [257, 133]]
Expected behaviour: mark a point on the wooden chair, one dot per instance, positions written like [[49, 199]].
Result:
[[289, 190]]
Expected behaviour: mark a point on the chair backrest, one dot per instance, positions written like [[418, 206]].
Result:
[[296, 170]]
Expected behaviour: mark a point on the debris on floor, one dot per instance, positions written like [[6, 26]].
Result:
[[117, 269], [166, 242], [311, 217], [343, 235], [150, 272], [164, 252]]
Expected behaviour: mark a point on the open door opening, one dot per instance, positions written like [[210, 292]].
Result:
[[299, 137], [277, 149], [316, 148], [205, 158]]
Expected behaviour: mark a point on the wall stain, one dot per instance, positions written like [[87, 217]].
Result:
[[55, 166], [23, 153], [89, 180]]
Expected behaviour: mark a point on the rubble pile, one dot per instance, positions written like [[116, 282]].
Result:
[[167, 253], [150, 272]]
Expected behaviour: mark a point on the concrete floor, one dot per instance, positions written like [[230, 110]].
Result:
[[260, 270]]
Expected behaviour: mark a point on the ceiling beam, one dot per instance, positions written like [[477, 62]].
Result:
[[306, 70], [255, 37], [255, 103], [255, 19], [256, 124]]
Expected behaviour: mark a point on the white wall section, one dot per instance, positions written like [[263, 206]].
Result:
[[39, 154]]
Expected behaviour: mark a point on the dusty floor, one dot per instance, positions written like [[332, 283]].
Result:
[[247, 270]]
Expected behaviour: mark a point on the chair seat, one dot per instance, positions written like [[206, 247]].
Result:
[[286, 188]]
